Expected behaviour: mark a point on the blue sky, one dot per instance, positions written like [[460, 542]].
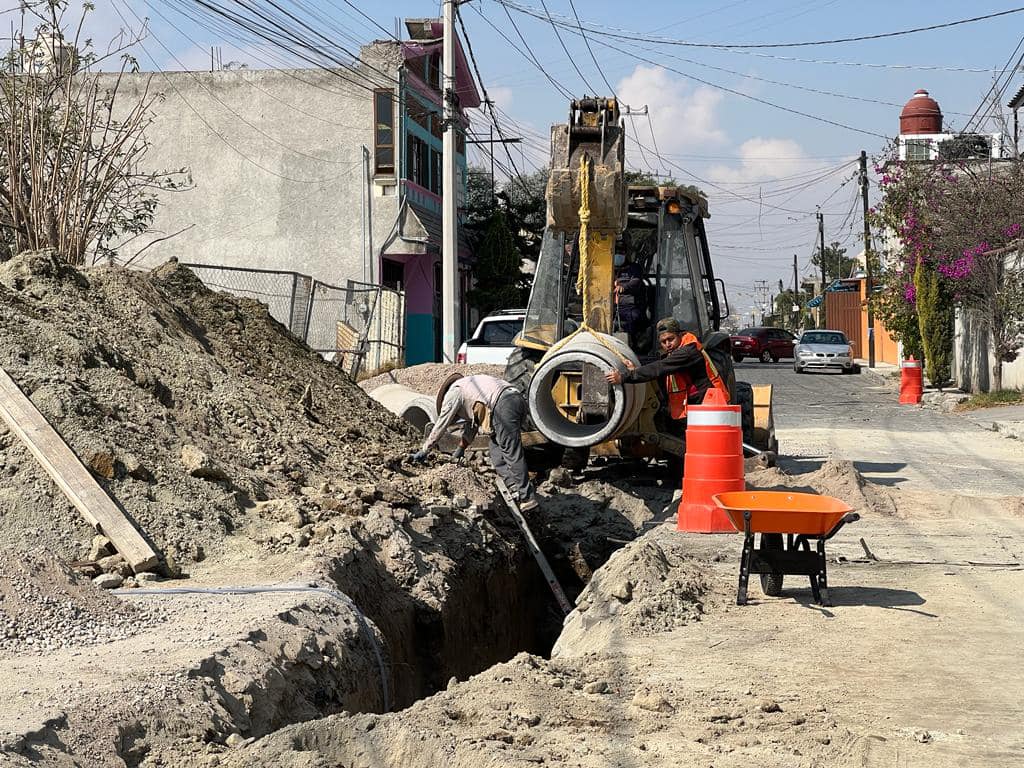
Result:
[[749, 150]]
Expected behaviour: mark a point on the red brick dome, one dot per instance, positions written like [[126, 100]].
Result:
[[921, 115]]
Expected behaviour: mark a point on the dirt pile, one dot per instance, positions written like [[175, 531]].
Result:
[[44, 606], [187, 404], [591, 713], [836, 477], [582, 522], [651, 585], [426, 378]]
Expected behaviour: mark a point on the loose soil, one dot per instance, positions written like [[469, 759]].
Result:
[[251, 462]]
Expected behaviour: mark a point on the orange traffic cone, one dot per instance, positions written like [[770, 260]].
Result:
[[911, 382], [713, 464]]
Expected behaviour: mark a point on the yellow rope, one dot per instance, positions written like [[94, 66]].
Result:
[[581, 281], [582, 284]]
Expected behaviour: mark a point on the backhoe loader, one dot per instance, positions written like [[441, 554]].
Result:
[[574, 330]]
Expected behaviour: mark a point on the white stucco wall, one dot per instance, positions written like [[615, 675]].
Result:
[[277, 170]]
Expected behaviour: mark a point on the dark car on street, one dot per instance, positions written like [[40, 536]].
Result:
[[766, 344]]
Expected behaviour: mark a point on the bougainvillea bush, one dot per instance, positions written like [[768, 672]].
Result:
[[958, 226]]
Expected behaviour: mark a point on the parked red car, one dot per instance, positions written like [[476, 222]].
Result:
[[766, 344]]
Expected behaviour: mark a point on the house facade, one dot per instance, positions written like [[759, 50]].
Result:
[[335, 174]]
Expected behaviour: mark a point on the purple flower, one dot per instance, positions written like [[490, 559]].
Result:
[[910, 293], [1012, 231]]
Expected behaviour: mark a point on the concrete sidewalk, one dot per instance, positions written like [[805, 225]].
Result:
[[1007, 420]]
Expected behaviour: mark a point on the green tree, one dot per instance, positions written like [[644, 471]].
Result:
[[500, 281], [837, 264], [935, 315]]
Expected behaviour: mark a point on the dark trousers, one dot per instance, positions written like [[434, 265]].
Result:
[[506, 448]]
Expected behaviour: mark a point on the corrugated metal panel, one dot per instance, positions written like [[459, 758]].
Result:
[[843, 311]]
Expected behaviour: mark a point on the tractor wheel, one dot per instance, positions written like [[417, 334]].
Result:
[[771, 583], [575, 459], [745, 400], [766, 357], [519, 369]]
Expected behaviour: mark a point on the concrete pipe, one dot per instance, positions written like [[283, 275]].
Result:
[[419, 410], [626, 399]]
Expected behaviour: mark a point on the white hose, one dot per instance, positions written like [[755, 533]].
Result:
[[338, 595]]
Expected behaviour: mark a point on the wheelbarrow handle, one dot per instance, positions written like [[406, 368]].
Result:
[[849, 517]]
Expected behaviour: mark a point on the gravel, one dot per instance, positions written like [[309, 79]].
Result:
[[45, 606]]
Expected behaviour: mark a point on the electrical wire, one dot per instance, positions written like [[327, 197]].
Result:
[[638, 37], [572, 4], [561, 42], [487, 101]]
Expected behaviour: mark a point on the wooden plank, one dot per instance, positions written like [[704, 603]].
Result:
[[71, 476]]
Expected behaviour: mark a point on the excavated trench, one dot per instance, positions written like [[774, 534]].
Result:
[[492, 608]]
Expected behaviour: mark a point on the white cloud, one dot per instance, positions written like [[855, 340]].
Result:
[[763, 159], [685, 119], [501, 96]]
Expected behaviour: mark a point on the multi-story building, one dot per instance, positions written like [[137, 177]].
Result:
[[332, 173]]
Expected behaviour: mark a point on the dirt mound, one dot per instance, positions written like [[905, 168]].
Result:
[[427, 377], [653, 584], [191, 407], [836, 477], [591, 713], [582, 522], [45, 607]]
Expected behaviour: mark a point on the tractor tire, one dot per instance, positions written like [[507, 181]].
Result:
[[738, 358], [766, 357], [745, 400], [519, 369], [771, 583], [575, 459]]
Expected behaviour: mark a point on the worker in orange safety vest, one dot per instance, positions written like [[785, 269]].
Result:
[[687, 368]]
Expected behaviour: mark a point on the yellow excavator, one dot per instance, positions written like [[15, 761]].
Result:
[[576, 327]]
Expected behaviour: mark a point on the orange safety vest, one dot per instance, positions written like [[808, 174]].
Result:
[[680, 387]]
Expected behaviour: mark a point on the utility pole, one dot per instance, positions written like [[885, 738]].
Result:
[[868, 270], [824, 276], [796, 297], [450, 314]]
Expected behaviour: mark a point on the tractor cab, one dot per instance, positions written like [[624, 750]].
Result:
[[665, 244]]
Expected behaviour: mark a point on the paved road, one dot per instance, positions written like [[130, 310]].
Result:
[[858, 418]]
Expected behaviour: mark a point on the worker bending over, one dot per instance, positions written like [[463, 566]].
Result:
[[687, 368], [496, 407]]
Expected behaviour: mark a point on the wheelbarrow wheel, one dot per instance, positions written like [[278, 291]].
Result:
[[771, 583]]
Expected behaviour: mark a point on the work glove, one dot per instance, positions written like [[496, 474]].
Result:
[[419, 457], [459, 453]]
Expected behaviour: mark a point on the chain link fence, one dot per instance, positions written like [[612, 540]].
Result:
[[360, 326]]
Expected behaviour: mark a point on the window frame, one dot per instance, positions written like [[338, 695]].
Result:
[[382, 168]]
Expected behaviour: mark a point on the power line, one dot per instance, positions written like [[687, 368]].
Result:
[[600, 71], [488, 102], [562, 43], [638, 37]]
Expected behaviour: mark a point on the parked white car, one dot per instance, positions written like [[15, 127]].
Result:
[[492, 341], [822, 350]]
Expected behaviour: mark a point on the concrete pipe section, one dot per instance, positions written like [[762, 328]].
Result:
[[626, 400], [419, 410]]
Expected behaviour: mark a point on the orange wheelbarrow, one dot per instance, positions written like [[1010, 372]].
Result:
[[787, 523]]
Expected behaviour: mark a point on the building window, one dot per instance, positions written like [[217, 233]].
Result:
[[435, 171], [417, 161], [432, 73], [919, 149], [384, 132]]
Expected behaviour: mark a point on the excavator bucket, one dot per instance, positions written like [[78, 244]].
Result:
[[594, 129]]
